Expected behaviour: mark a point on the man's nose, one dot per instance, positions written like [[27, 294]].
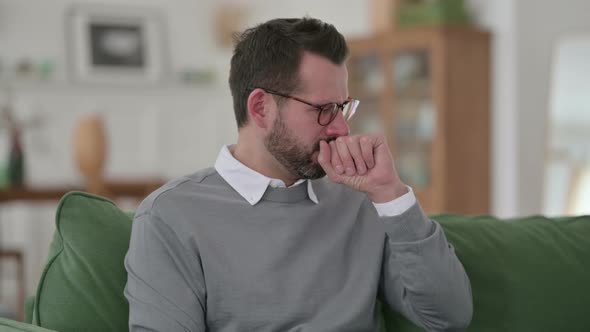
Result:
[[338, 126]]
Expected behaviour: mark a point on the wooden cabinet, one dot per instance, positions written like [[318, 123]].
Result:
[[428, 89]]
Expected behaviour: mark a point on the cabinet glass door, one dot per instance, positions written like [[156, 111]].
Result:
[[367, 119], [414, 117], [366, 84]]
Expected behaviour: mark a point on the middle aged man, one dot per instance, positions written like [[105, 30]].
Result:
[[264, 241]]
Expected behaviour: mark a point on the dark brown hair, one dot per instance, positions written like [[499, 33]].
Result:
[[268, 56]]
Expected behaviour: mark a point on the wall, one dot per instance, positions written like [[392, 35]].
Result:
[[525, 33], [166, 130], [139, 119], [171, 117], [499, 17], [186, 126], [540, 24]]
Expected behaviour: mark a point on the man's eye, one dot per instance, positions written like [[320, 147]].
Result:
[[328, 108]]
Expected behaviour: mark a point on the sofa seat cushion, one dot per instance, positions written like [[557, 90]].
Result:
[[528, 274], [81, 288]]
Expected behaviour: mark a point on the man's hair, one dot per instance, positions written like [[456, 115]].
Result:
[[268, 56]]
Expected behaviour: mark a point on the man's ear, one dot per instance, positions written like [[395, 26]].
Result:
[[259, 109]]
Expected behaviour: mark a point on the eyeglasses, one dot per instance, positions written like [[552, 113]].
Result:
[[327, 112]]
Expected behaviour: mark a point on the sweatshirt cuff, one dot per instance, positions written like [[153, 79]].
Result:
[[411, 226], [396, 206]]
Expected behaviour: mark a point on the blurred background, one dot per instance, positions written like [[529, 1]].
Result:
[[485, 103]]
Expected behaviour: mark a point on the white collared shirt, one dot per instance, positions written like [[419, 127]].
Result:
[[251, 185]]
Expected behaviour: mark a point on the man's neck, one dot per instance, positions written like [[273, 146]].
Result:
[[262, 162]]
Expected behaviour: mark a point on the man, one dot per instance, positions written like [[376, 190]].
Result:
[[254, 244]]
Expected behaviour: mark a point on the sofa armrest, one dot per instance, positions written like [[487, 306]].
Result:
[[7, 325]]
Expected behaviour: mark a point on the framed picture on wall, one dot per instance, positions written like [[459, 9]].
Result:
[[116, 45]]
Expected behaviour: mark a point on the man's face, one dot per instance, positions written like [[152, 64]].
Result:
[[294, 139]]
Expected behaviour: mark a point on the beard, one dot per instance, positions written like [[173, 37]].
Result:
[[294, 156]]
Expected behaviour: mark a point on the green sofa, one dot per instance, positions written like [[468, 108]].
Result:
[[528, 274]]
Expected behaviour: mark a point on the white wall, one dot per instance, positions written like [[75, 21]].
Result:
[[525, 33], [499, 17], [166, 130], [185, 126], [37, 28], [177, 122], [540, 24], [134, 115]]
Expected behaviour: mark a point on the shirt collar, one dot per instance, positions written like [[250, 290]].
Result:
[[247, 182]]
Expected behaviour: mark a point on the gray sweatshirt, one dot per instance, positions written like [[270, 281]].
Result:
[[201, 258]]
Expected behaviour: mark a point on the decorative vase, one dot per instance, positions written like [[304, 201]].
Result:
[[90, 148]]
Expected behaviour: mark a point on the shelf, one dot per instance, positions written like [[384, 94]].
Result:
[[433, 99], [415, 89], [116, 189], [171, 88]]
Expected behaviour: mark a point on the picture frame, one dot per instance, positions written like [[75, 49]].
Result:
[[116, 45]]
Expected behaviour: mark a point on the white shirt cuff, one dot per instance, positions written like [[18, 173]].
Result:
[[397, 206]]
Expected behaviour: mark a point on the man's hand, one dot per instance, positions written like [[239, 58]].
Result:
[[363, 163]]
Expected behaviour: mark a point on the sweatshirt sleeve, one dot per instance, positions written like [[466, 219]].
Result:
[[165, 284], [421, 277]]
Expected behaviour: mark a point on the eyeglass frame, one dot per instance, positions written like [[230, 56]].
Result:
[[318, 107]]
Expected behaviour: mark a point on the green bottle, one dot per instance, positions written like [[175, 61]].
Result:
[[4, 154], [15, 169], [3, 177]]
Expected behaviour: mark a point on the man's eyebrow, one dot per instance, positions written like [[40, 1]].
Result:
[[332, 102], [325, 101]]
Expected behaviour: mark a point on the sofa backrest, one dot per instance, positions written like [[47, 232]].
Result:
[[81, 288], [529, 274]]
